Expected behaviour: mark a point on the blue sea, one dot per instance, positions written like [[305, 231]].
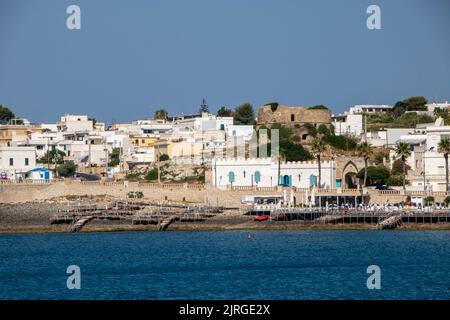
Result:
[[227, 265]]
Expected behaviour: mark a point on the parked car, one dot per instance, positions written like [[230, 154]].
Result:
[[384, 187]]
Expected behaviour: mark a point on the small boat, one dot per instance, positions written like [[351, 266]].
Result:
[[261, 217]]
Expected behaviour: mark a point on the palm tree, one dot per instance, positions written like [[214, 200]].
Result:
[[317, 148], [403, 151], [281, 157], [444, 148], [365, 150]]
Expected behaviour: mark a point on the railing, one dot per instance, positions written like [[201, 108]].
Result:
[[25, 182]]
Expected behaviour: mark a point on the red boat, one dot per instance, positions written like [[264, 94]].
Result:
[[261, 217]]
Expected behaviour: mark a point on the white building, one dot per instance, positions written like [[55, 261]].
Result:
[[207, 122], [436, 105], [73, 123], [263, 172], [352, 125], [16, 162], [243, 131], [369, 108]]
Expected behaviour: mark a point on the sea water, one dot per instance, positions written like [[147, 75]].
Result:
[[227, 265]]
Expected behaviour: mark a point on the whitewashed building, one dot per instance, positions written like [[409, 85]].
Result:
[[263, 172], [351, 125], [369, 108], [16, 162]]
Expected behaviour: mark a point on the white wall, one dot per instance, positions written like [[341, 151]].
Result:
[[18, 154], [245, 169]]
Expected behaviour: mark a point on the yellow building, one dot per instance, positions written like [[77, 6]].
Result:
[[16, 133], [143, 141]]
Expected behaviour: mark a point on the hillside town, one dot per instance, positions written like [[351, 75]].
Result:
[[402, 147]]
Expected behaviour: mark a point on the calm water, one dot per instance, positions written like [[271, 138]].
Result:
[[227, 265]]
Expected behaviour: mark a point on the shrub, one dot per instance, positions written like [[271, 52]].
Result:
[[135, 194], [132, 176], [429, 200], [447, 200], [294, 152], [164, 157], [397, 167], [318, 107], [152, 175], [341, 142], [324, 130], [395, 180], [312, 131], [67, 169]]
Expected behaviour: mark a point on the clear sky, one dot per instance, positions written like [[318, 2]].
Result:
[[132, 57]]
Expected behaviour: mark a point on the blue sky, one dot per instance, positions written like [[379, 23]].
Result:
[[132, 57]]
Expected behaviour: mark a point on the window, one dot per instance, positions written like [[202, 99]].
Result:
[[27, 161], [292, 117], [257, 177], [11, 161], [143, 141]]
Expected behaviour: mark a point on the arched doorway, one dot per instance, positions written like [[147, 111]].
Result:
[[350, 181]]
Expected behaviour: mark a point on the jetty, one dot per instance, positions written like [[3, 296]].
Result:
[[389, 223], [80, 223]]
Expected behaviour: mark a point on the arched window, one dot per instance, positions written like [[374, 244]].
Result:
[[231, 177], [257, 177]]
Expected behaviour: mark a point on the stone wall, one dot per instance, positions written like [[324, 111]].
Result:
[[290, 116], [16, 193]]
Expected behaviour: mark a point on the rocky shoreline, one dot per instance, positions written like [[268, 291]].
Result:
[[35, 217]]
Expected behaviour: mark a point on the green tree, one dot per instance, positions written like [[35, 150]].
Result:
[[447, 200], [114, 157], [163, 157], [224, 112], [244, 114], [53, 156], [403, 151], [152, 175], [161, 114], [397, 167], [365, 151], [203, 107], [5, 114], [376, 175], [444, 148], [67, 169], [317, 149]]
